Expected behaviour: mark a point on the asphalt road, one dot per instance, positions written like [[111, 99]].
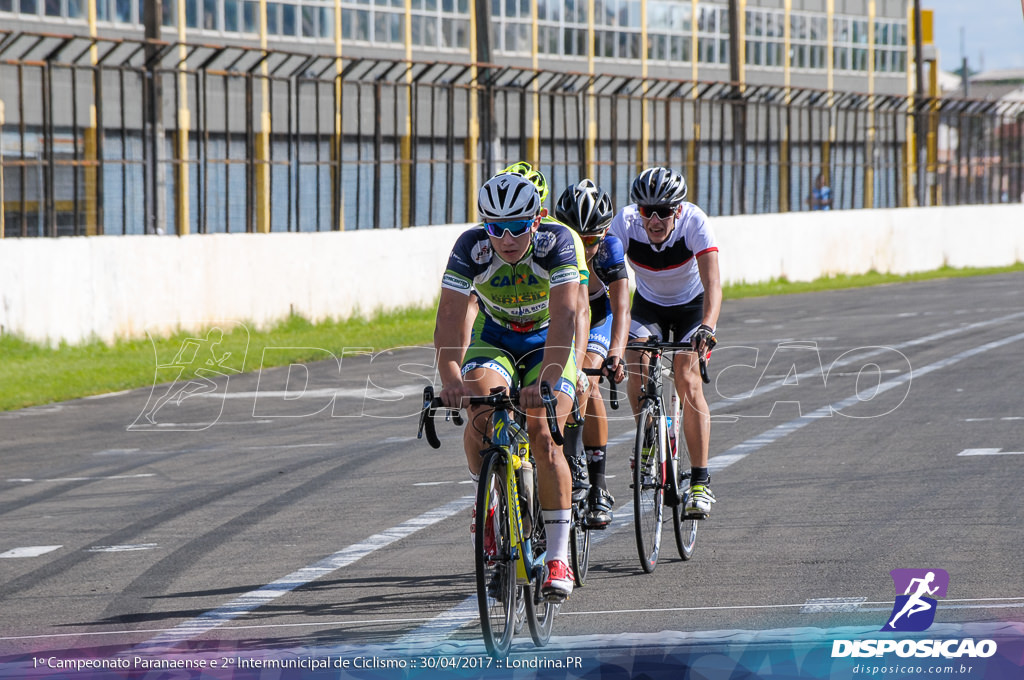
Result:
[[840, 424]]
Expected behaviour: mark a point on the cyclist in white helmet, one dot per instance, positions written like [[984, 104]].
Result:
[[525, 276], [674, 255]]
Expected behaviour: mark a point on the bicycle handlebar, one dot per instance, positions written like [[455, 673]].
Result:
[[497, 399], [613, 393], [702, 359]]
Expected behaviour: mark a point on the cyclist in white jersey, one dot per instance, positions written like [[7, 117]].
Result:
[[674, 256]]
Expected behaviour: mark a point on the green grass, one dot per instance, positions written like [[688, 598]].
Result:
[[873, 278], [32, 374]]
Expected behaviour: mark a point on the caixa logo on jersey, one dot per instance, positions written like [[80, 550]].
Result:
[[913, 612]]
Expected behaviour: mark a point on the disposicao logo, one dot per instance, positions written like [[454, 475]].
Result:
[[914, 611]]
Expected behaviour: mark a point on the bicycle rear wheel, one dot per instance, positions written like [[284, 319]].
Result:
[[540, 614], [579, 543], [648, 485], [496, 588]]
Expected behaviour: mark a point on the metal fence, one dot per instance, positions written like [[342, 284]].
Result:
[[101, 136]]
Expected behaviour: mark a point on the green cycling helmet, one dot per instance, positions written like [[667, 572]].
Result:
[[535, 176]]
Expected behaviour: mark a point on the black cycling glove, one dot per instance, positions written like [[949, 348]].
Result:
[[704, 335]]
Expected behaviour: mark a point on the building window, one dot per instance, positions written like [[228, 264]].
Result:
[[765, 39], [512, 23], [669, 28], [890, 47], [808, 41]]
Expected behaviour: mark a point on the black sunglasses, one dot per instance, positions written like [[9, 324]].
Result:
[[660, 211]]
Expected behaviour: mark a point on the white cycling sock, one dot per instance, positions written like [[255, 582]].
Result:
[[556, 525]]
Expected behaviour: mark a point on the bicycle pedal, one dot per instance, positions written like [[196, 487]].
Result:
[[555, 597]]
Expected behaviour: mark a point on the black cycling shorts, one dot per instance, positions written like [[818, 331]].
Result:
[[675, 323]]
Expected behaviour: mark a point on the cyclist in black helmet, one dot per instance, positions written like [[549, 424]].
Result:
[[674, 254], [587, 209]]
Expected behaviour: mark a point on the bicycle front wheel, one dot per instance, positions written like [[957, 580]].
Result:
[[648, 485], [496, 589]]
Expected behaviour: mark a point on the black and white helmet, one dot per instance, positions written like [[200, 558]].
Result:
[[585, 207], [508, 197], [658, 186]]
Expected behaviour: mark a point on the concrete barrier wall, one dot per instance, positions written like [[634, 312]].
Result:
[[74, 289]]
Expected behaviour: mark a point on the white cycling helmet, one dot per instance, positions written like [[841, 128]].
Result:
[[508, 197], [658, 186]]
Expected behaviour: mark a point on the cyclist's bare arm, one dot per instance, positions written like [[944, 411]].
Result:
[[450, 343], [561, 329], [618, 293], [707, 266], [582, 323]]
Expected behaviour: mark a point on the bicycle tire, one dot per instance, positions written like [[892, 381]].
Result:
[[684, 528], [540, 614], [497, 607], [579, 544], [648, 489]]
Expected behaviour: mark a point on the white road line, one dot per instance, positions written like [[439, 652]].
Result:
[[989, 452], [261, 596], [821, 605], [80, 479], [744, 449], [770, 387], [29, 551], [369, 392], [121, 548], [286, 446], [978, 603], [990, 419]]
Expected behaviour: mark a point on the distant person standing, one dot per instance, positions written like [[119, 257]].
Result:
[[821, 195]]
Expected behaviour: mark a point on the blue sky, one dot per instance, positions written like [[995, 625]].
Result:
[[994, 28]]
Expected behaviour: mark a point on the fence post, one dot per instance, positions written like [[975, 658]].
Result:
[[3, 223], [406, 169]]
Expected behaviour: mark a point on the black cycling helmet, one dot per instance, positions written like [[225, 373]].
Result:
[[585, 207], [658, 186]]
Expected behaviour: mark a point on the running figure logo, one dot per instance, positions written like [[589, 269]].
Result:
[[200, 368], [914, 610]]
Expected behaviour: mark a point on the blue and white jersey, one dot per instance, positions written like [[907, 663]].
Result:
[[609, 264]]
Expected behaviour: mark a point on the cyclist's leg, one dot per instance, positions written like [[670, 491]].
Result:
[[486, 366], [554, 479], [696, 417], [645, 324], [595, 445], [689, 386]]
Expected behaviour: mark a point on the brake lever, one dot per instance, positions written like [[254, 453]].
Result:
[[549, 408], [427, 418]]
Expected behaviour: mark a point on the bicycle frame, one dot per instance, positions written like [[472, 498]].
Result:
[[512, 442]]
